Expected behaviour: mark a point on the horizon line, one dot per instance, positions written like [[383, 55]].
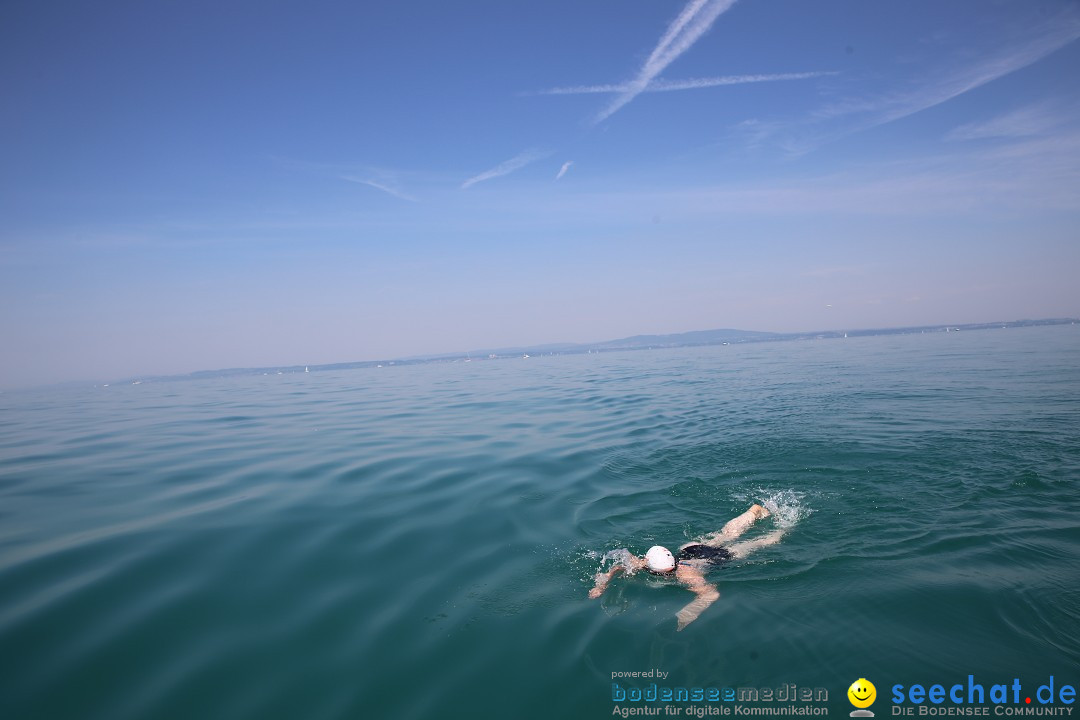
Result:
[[583, 348]]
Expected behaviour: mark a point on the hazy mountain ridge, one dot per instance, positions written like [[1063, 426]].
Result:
[[634, 342]]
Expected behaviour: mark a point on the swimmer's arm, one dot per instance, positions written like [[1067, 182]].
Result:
[[602, 580], [706, 595]]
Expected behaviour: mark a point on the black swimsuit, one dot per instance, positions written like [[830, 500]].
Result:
[[697, 551]]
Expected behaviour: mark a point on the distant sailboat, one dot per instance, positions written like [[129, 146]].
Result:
[[306, 369]]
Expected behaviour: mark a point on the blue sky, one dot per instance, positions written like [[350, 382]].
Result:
[[201, 185]]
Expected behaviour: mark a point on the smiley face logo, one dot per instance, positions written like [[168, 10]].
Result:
[[862, 693]]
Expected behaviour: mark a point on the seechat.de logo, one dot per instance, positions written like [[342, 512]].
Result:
[[862, 694]]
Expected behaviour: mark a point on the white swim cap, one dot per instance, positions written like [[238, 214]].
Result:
[[659, 559]]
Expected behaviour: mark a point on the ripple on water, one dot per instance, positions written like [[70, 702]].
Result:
[[420, 541]]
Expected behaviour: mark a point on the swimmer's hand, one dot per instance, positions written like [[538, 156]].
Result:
[[602, 580], [706, 595], [691, 612]]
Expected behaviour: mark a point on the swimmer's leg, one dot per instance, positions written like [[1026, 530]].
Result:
[[736, 526], [742, 549]]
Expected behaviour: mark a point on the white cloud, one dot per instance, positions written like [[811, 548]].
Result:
[[691, 84], [694, 20], [505, 168], [950, 84], [854, 114], [384, 186], [562, 171], [1023, 122]]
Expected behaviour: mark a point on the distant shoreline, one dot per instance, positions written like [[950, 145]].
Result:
[[698, 338]]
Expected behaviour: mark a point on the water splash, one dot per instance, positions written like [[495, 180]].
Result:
[[788, 507], [620, 556], [604, 561]]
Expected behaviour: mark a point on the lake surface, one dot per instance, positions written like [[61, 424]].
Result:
[[418, 541]]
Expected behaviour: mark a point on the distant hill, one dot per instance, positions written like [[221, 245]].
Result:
[[696, 337], [635, 342]]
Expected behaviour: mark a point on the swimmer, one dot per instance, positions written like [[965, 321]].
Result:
[[694, 559]]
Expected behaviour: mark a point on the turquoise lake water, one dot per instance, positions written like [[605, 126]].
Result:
[[418, 541]]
